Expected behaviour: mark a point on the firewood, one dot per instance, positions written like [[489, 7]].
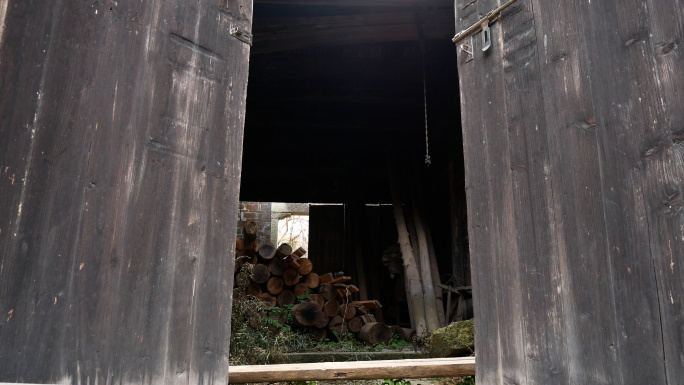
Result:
[[267, 251], [301, 289], [277, 266], [306, 313], [260, 273], [318, 298], [336, 327], [331, 308], [353, 289], [342, 293], [368, 318], [409, 334], [325, 278], [291, 277], [275, 285], [254, 290], [341, 279], [284, 250], [311, 280], [319, 334], [299, 252], [268, 298], [322, 320], [327, 291], [294, 263], [286, 297], [355, 324], [397, 330], [305, 266], [348, 311], [250, 231], [375, 333], [372, 304], [239, 246]]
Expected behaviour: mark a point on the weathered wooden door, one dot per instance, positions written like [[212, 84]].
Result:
[[573, 126], [121, 127]]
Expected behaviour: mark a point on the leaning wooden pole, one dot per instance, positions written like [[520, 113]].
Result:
[[429, 302], [413, 284]]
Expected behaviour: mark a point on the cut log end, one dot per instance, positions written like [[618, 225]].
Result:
[[375, 333]]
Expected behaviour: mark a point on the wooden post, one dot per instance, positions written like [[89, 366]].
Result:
[[413, 284], [430, 302]]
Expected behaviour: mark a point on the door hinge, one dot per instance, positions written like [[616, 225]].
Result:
[[239, 33], [482, 25]]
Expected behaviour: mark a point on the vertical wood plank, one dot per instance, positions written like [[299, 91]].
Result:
[[576, 177], [664, 172], [542, 309], [133, 166], [626, 98], [494, 256]]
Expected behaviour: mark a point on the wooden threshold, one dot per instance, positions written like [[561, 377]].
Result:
[[353, 370]]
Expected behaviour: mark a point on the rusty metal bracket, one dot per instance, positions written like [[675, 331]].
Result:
[[239, 33], [482, 25]]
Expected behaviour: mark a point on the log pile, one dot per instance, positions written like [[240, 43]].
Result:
[[323, 305]]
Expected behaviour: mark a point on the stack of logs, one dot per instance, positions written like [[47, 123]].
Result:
[[281, 277]]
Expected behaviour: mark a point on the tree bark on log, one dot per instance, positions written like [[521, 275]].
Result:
[[413, 284], [275, 285], [238, 244], [375, 333], [306, 313], [267, 250], [260, 273], [286, 297], [299, 252]]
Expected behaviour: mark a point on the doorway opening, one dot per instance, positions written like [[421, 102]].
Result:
[[340, 97]]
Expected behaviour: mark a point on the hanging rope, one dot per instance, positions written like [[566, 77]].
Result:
[[427, 147]]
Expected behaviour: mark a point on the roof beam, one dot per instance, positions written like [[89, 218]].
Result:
[[364, 3], [284, 34]]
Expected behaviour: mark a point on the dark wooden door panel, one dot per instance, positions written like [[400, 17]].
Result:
[[121, 145]]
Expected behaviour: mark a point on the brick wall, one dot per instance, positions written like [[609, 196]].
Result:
[[260, 212]]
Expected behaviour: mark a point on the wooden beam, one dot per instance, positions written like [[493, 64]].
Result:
[[353, 370], [283, 34], [363, 3]]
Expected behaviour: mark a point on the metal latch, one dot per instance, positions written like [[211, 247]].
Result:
[[239, 33], [483, 25]]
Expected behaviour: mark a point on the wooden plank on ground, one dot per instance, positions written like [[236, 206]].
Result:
[[353, 370]]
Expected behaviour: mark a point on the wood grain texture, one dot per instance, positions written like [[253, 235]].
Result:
[[593, 115], [354, 370], [118, 176]]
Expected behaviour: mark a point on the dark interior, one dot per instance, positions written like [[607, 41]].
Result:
[[335, 95]]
